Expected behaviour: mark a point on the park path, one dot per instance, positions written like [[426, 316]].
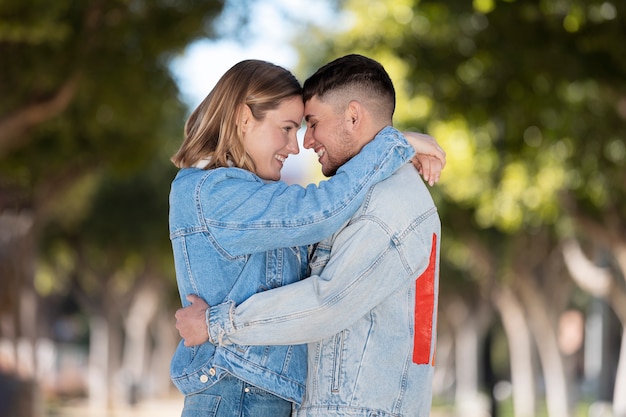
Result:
[[170, 406]]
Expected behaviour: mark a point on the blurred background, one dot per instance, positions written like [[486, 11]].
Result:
[[528, 97]]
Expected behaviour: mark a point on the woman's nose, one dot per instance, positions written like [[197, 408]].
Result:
[[292, 146]]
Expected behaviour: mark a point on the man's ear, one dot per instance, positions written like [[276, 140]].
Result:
[[354, 114]]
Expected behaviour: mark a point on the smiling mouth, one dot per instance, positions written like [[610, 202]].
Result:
[[320, 152], [280, 158]]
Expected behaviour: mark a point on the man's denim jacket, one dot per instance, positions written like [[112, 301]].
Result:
[[234, 235], [368, 311]]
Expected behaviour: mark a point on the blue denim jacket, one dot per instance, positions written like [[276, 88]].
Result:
[[234, 235], [368, 311]]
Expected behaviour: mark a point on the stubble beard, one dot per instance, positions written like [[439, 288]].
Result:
[[342, 152]]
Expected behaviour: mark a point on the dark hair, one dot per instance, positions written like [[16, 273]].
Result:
[[212, 130], [356, 73]]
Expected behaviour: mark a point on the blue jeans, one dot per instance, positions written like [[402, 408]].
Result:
[[231, 397]]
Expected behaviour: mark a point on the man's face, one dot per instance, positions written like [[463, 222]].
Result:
[[328, 135]]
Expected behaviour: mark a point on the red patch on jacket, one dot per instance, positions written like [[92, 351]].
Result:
[[424, 311]]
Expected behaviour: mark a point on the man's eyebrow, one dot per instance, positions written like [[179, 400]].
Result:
[[308, 117]]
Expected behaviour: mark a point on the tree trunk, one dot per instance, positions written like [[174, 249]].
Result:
[[136, 351], [18, 305], [97, 385], [104, 359], [520, 352], [470, 402], [619, 399], [601, 282], [544, 332], [166, 340]]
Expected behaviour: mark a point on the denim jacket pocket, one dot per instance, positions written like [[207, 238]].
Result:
[[340, 339], [318, 256]]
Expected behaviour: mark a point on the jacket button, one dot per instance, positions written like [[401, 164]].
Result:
[[212, 371], [204, 379]]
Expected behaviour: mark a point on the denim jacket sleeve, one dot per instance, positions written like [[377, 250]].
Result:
[[321, 305], [369, 262], [246, 216]]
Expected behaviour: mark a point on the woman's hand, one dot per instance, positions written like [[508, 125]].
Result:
[[429, 159]]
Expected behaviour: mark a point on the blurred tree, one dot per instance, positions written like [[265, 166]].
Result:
[[88, 119], [528, 98]]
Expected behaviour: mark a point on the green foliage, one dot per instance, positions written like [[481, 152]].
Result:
[[89, 117], [113, 55], [526, 96]]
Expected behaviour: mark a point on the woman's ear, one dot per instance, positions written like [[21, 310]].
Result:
[[245, 117]]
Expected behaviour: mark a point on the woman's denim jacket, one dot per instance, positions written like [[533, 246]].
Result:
[[227, 224]]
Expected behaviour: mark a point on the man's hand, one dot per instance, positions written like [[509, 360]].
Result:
[[430, 158], [191, 321]]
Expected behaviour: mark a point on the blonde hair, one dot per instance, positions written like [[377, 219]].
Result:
[[213, 131]]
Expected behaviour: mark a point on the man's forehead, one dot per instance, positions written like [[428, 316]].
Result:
[[313, 108]]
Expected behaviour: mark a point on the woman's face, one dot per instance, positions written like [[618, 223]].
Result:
[[270, 141]]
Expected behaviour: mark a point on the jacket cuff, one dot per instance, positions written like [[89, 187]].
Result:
[[219, 322]]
